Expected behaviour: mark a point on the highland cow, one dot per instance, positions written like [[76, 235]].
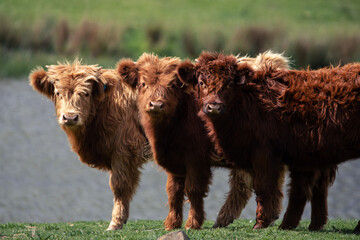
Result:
[[100, 118], [304, 119], [305, 185], [235, 201]]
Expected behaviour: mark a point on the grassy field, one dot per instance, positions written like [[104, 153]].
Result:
[[145, 229], [40, 32], [313, 16]]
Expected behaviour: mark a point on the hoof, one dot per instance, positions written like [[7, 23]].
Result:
[[357, 229], [287, 227], [314, 227], [171, 228], [263, 224], [192, 225], [272, 223], [114, 226], [171, 225], [218, 224], [258, 226]]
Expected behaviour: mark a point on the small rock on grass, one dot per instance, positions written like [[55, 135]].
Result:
[[178, 235]]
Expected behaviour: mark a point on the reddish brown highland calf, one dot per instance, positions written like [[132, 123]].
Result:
[[263, 119], [176, 135], [99, 115]]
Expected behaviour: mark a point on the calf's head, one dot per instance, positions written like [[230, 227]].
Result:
[[159, 87], [216, 78], [75, 89]]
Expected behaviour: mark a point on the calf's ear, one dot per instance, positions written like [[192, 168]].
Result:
[[39, 80], [128, 72], [105, 84], [186, 73], [244, 74]]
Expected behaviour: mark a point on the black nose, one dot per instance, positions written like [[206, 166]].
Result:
[[156, 105], [213, 108], [70, 119]]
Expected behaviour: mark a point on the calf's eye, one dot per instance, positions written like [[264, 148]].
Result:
[[202, 84], [230, 85]]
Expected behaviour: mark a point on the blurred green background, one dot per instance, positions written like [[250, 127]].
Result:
[[41, 32]]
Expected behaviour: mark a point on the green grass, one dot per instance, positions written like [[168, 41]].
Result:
[[146, 229], [312, 32], [314, 15]]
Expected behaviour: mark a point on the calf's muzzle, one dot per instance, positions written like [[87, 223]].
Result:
[[156, 106], [213, 108], [70, 119]]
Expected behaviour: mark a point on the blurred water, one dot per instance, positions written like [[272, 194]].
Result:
[[41, 180]]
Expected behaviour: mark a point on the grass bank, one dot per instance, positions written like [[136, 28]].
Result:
[[40, 32], [146, 229]]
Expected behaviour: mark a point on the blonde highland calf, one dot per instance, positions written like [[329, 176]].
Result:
[[99, 116]]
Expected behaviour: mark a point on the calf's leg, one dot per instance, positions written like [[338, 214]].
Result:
[[300, 191], [319, 209], [239, 194], [175, 191], [268, 181], [196, 187], [308, 185], [123, 184]]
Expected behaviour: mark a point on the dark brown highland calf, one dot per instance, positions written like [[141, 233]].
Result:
[[307, 120], [305, 185], [309, 185], [100, 118]]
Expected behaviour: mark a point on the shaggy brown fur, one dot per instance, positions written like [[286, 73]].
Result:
[[156, 78], [305, 185], [100, 117], [304, 119], [241, 185], [187, 72], [309, 185], [275, 60], [176, 135]]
